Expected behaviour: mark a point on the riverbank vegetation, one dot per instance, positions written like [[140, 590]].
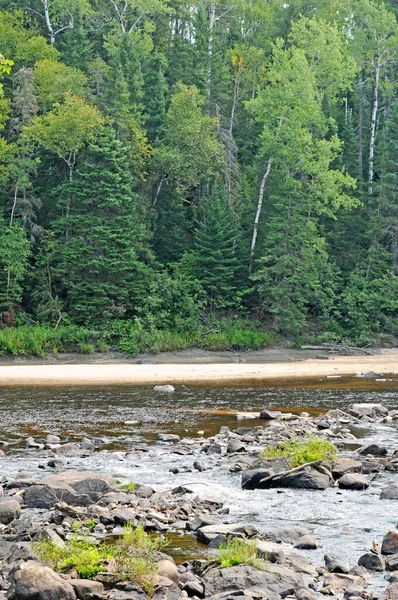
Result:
[[197, 174]]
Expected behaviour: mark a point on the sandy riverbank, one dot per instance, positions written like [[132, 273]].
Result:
[[109, 374]]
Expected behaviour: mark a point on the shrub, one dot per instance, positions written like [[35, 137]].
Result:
[[301, 452], [238, 551], [134, 556]]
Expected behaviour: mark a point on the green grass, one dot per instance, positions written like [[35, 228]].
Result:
[[132, 338], [128, 487], [301, 452], [134, 556], [238, 551]]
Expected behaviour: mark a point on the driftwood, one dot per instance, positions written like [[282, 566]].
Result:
[[338, 349]]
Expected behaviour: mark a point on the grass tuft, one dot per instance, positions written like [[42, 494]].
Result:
[[301, 452], [238, 551]]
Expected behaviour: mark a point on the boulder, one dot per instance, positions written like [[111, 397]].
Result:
[[390, 492], [334, 564], [392, 562], [373, 449], [287, 535], [311, 476], [10, 509], [390, 543], [166, 568], [235, 445], [245, 577], [345, 465], [168, 437], [270, 551], [353, 481], [368, 409], [251, 479], [268, 415], [86, 588], [34, 581], [372, 562], [392, 591], [166, 389], [307, 542]]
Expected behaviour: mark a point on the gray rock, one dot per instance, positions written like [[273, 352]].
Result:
[[390, 492], [288, 535], [269, 415], [207, 533], [345, 465], [48, 533], [168, 437], [199, 466], [353, 481], [372, 562], [251, 480], [334, 564], [390, 543], [53, 439], [392, 591], [368, 409], [307, 542], [194, 588], [235, 445], [373, 449], [10, 509], [392, 562], [167, 389], [85, 588], [33, 581], [124, 515], [311, 476], [143, 491]]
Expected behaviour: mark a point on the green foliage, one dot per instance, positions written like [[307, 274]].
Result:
[[301, 452], [134, 556], [14, 253], [238, 551], [128, 487]]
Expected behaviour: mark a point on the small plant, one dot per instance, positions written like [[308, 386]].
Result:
[[90, 524], [75, 526], [238, 551], [128, 487], [134, 555], [301, 452]]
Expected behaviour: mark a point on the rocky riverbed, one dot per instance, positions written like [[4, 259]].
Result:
[[326, 528]]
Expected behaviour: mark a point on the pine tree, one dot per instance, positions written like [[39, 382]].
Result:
[[214, 259], [101, 261]]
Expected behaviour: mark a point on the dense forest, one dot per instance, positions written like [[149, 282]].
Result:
[[212, 172]]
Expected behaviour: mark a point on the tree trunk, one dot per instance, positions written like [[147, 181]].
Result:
[[48, 21], [258, 212], [360, 127], [212, 20], [375, 106]]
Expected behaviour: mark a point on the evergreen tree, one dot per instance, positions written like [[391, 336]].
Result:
[[101, 260]]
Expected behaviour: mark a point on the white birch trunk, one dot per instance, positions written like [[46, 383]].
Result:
[[258, 212]]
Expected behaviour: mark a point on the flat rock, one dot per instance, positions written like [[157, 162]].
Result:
[[207, 533], [85, 588], [268, 415], [353, 481], [168, 437], [306, 542]]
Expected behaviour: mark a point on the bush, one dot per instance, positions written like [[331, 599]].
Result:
[[134, 556], [302, 452], [236, 552]]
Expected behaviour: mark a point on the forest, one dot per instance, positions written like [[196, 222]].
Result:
[[218, 173]]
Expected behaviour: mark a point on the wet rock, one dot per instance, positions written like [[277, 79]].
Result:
[[392, 562], [212, 449], [307, 542], [373, 449], [70, 449], [167, 389], [392, 465], [390, 543], [235, 446], [199, 466], [251, 480], [269, 415], [10, 509], [55, 463], [390, 492], [30, 443], [372, 465], [33, 581], [334, 564], [85, 588], [270, 551], [345, 465], [53, 439], [287, 535], [368, 409], [87, 444], [311, 476], [372, 562], [168, 437], [353, 481], [340, 582], [148, 420]]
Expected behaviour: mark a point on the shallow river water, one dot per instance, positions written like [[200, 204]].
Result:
[[345, 522]]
